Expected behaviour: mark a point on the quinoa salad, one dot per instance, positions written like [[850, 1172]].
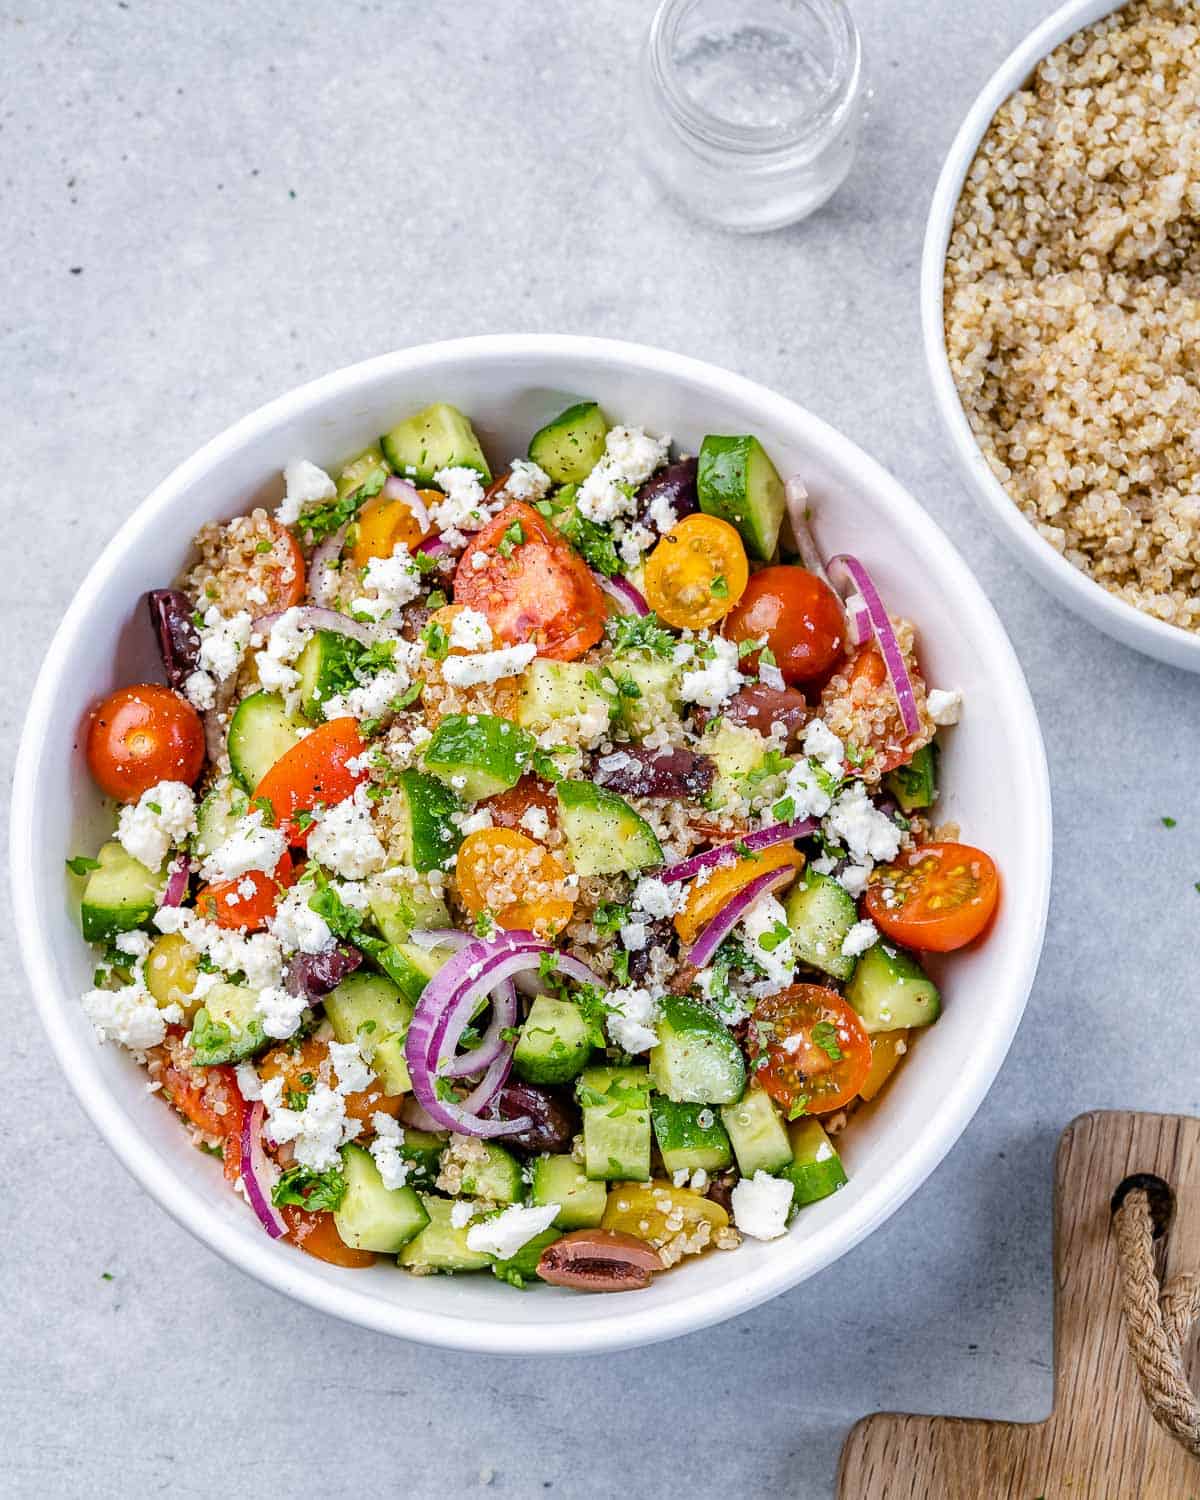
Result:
[[524, 873], [1072, 303]]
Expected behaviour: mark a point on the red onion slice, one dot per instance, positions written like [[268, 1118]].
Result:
[[726, 854], [420, 1119], [849, 567], [438, 937], [257, 1173], [310, 617], [323, 572], [702, 950], [491, 1044], [857, 620], [177, 881], [435, 546], [623, 594], [395, 488]]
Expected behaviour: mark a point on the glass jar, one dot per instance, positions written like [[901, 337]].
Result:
[[750, 109]]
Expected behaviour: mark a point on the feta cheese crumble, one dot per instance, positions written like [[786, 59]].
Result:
[[163, 816], [526, 481], [251, 846], [394, 582], [630, 1019], [463, 508], [281, 1012], [470, 631], [860, 937], [285, 641], [223, 642], [304, 484], [714, 680], [769, 939], [631, 455], [344, 839], [298, 928], [505, 1233], [354, 1076], [318, 1131], [866, 832], [944, 705], [392, 1165], [656, 898], [487, 666], [761, 1204]]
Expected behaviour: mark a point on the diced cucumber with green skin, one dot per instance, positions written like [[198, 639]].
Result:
[[820, 913], [366, 468], [815, 1169], [889, 990], [915, 786], [410, 967], [757, 1133], [605, 836], [227, 1028], [737, 750], [555, 1042], [371, 1216], [521, 1268], [616, 1123], [423, 1151], [439, 437], [430, 833], [497, 1178], [260, 732], [440, 1246], [478, 755], [696, 1060], [118, 896], [738, 482], [561, 1180], [403, 903], [218, 815], [326, 667], [659, 695], [690, 1137], [370, 1010], [552, 691], [570, 447]]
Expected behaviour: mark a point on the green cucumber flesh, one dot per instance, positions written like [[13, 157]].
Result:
[[696, 1059], [658, 696], [365, 469], [227, 1028], [370, 1010], [428, 807], [497, 1177], [478, 755], [757, 1133], [561, 1180], [327, 669], [423, 1151], [555, 1043], [552, 691], [439, 437], [401, 903], [605, 836], [371, 1216], [569, 447], [441, 1246], [691, 1137], [218, 815], [736, 481], [915, 785], [815, 1170], [521, 1268], [119, 895], [820, 914], [616, 1123], [260, 732], [890, 990]]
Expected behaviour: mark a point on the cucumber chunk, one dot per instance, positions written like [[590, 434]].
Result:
[[815, 1169], [690, 1136], [522, 1267], [423, 1151], [616, 1123], [497, 1178], [890, 990], [759, 1136], [552, 691], [658, 695], [696, 1060], [914, 786], [365, 469], [555, 1042], [118, 896], [440, 1246], [439, 437], [738, 482], [327, 668], [604, 834], [370, 1010], [410, 967], [570, 447], [260, 732], [424, 809], [737, 750], [820, 913], [402, 903], [227, 1028], [218, 815], [561, 1180], [478, 754], [371, 1216]]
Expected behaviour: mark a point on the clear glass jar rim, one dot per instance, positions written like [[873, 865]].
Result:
[[693, 119]]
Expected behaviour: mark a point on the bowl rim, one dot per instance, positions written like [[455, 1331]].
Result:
[[1081, 593], [623, 1329]]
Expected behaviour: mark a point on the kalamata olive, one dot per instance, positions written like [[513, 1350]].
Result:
[[178, 639], [312, 975], [676, 484], [635, 771], [720, 1189], [759, 706], [599, 1260], [660, 933], [555, 1120]]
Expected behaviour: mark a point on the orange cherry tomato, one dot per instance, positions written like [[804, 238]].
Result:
[[808, 1049], [313, 772], [282, 571], [697, 573], [798, 615], [208, 1098], [508, 808], [531, 585], [936, 897], [248, 901], [304, 1066], [868, 667], [383, 523], [705, 899], [140, 736], [316, 1234], [519, 881]]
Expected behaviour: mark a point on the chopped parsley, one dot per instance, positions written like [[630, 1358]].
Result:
[[719, 587], [323, 520], [824, 1034], [437, 641], [318, 1192], [81, 864], [1168, 822], [780, 933], [640, 633], [514, 536]]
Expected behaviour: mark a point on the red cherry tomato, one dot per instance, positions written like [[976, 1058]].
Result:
[[531, 585], [936, 897], [508, 808], [316, 1234], [140, 736], [798, 614], [313, 772], [208, 1098], [816, 1053], [283, 571], [247, 902]]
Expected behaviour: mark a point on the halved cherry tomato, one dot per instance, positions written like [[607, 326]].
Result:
[[531, 585], [140, 736], [316, 1234], [302, 1067], [705, 900], [519, 881], [936, 897], [383, 522], [508, 808], [314, 772], [697, 573], [209, 1098], [817, 1055], [281, 571], [868, 667], [799, 616], [229, 903]]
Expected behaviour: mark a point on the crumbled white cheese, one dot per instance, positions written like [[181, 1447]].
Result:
[[631, 1018], [631, 455], [222, 642], [505, 1233], [536, 822], [662, 512], [392, 1164], [866, 832], [281, 1011], [633, 936], [823, 746], [394, 582], [286, 640], [129, 1015], [634, 540], [944, 705], [853, 878], [353, 1074], [715, 680], [859, 939], [770, 676], [251, 846], [804, 789], [257, 955], [656, 898], [298, 928], [304, 484], [162, 816], [200, 690], [370, 699], [470, 631], [318, 1131], [344, 839], [463, 508], [526, 481], [769, 939], [250, 1085], [487, 666], [461, 1213], [761, 1204]]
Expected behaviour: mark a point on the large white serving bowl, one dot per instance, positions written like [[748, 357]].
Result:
[[1130, 626], [994, 777]]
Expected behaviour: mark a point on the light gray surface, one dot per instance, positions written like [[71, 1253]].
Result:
[[459, 169]]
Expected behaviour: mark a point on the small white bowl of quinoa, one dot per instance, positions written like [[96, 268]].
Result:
[[1060, 302]]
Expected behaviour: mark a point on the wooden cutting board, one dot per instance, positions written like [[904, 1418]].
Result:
[[1101, 1442]]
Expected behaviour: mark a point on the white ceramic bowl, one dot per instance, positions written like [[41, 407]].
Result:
[[995, 783], [1181, 648]]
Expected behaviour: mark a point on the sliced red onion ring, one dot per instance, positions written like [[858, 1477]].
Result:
[[848, 567], [491, 1044], [323, 571], [395, 488], [435, 546], [258, 1174], [725, 854], [420, 1119], [857, 619], [627, 598], [177, 881], [702, 950], [438, 937], [310, 617]]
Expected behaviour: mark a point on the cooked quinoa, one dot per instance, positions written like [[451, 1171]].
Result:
[[1072, 303]]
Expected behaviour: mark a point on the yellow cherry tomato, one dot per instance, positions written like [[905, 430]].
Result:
[[383, 523], [706, 898], [887, 1048], [519, 881], [171, 973], [697, 573], [666, 1217]]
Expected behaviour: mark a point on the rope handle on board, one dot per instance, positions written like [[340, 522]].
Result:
[[1157, 1318]]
